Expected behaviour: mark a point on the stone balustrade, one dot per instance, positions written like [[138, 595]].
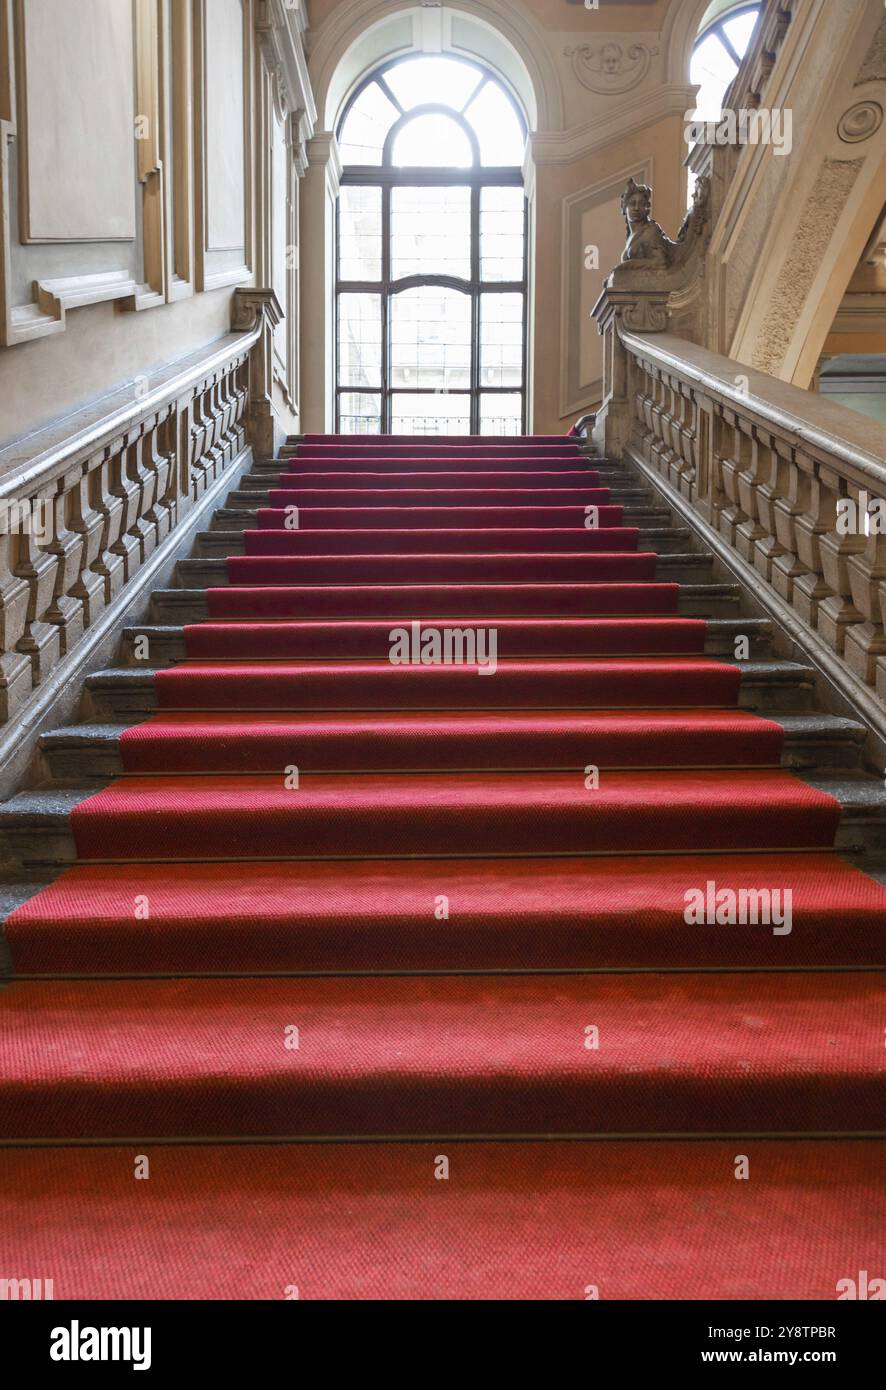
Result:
[[83, 505], [795, 484]]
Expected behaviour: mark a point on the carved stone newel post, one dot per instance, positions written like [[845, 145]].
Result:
[[655, 288]]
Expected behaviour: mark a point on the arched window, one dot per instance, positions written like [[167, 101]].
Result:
[[431, 253], [722, 43]]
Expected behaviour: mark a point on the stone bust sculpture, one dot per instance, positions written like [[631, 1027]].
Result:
[[647, 243]]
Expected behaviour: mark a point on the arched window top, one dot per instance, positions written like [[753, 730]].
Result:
[[432, 112], [721, 45]]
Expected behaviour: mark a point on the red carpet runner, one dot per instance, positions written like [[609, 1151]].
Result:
[[442, 904]]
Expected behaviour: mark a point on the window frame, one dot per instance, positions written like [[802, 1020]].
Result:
[[717, 29], [388, 177]]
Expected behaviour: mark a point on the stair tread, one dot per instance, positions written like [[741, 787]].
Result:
[[373, 917], [710, 1053], [535, 1221], [797, 725]]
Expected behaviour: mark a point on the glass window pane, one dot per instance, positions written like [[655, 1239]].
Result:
[[501, 340], [438, 81], [501, 413], [359, 413], [434, 413], [431, 338], [433, 140], [367, 124], [711, 70], [502, 141], [431, 232], [359, 233], [359, 340], [739, 30], [501, 234]]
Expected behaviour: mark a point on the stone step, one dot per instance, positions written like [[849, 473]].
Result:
[[256, 494], [243, 516], [90, 753], [36, 835], [177, 606], [164, 644], [290, 467], [681, 568], [663, 540], [128, 692]]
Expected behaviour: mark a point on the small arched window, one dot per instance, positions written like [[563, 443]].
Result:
[[721, 45], [431, 258]]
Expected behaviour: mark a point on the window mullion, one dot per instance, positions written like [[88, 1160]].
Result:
[[475, 309], [386, 309]]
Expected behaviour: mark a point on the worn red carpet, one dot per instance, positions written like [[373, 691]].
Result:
[[441, 834], [651, 1220]]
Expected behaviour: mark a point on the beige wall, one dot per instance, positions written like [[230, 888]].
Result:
[[150, 152], [577, 208]]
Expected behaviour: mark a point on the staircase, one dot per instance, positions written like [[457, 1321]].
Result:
[[335, 942]]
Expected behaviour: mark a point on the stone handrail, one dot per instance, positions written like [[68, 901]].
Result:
[[84, 504], [794, 483]]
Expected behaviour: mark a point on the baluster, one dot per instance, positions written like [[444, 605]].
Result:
[[733, 515], [124, 487], [748, 479], [721, 437], [866, 641], [39, 566], [669, 459], [795, 502], [84, 520], [216, 447], [66, 610], [837, 612], [687, 441], [157, 465], [810, 589], [15, 592], [109, 564], [199, 471]]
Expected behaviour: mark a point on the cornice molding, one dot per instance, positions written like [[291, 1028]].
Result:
[[566, 146], [280, 29]]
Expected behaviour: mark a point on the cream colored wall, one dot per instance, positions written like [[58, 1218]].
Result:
[[578, 207], [149, 158], [100, 349]]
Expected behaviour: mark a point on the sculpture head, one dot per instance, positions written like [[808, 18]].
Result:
[[636, 204], [610, 58]]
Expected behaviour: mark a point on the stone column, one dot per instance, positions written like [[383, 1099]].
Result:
[[319, 191]]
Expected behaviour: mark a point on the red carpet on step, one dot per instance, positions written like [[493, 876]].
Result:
[[402, 601], [371, 813], [564, 1221], [445, 1055], [379, 915]]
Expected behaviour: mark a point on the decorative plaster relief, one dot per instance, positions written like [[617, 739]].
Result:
[[873, 69], [611, 68], [860, 122], [811, 238]]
